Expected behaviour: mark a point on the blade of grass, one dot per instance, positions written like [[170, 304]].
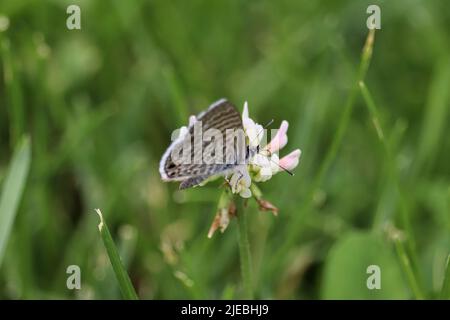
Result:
[[12, 191], [244, 250], [394, 175], [292, 230], [13, 92], [126, 245], [435, 117], [125, 284], [345, 118], [407, 269], [176, 95], [445, 292], [373, 110]]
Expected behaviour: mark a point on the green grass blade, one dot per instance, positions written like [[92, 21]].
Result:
[[373, 110], [125, 284], [366, 57], [12, 191], [13, 92], [445, 292], [292, 229], [244, 250], [389, 159], [435, 118], [408, 270], [176, 96]]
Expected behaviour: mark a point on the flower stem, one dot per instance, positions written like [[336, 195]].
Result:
[[125, 285], [244, 249], [295, 225]]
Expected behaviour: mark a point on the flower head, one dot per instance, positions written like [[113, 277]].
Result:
[[240, 183], [263, 165]]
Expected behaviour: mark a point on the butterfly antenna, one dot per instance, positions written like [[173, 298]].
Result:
[[262, 130], [267, 124], [283, 168], [280, 166]]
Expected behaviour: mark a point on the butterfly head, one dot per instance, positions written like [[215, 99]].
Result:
[[251, 151]]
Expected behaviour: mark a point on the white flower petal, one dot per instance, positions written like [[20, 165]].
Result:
[[245, 112], [274, 163], [264, 174], [245, 193], [233, 182], [246, 181], [260, 160]]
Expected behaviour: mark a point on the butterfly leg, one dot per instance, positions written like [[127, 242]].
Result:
[[238, 179], [227, 179], [233, 182]]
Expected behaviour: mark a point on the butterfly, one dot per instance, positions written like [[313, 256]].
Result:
[[202, 158]]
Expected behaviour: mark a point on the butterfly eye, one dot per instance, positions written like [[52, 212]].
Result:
[[257, 149]]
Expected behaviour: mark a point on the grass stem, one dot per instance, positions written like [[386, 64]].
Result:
[[445, 291], [392, 168], [244, 250], [292, 232], [408, 270], [125, 284], [12, 191]]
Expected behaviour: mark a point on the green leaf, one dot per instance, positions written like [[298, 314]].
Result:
[[12, 191], [345, 274], [126, 287]]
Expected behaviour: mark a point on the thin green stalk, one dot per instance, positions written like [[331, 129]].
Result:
[[244, 250], [407, 269], [13, 92], [292, 232], [176, 95], [126, 287], [405, 216], [445, 291], [373, 110], [12, 191], [345, 118]]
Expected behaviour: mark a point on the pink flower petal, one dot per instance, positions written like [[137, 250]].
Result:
[[280, 139], [290, 161]]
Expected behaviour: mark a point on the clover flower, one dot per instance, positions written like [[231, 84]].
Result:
[[240, 183], [261, 167], [266, 163]]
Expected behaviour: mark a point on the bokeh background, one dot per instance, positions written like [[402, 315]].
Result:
[[99, 105]]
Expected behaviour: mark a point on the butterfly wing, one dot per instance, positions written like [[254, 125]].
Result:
[[221, 115]]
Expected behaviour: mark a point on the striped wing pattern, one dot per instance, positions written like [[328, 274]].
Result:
[[221, 115]]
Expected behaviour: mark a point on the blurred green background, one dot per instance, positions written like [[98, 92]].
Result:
[[99, 105]]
